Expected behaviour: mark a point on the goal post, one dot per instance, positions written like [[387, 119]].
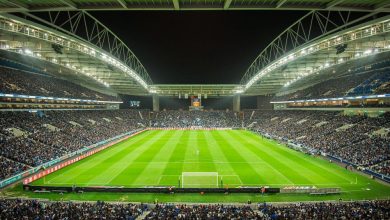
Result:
[[199, 180]]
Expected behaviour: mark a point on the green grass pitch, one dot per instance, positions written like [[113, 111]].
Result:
[[241, 158]]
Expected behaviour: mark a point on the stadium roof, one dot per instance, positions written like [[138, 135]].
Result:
[[293, 57], [56, 5], [114, 67], [78, 42]]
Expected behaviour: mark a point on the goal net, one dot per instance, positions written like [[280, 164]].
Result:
[[199, 180]]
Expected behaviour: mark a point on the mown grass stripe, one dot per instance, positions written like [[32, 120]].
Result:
[[247, 172], [104, 172], [300, 172], [130, 169], [204, 153], [84, 167], [276, 164], [191, 155], [178, 156], [267, 170], [151, 174], [218, 156]]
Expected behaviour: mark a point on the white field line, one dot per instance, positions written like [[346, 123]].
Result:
[[159, 180], [240, 180]]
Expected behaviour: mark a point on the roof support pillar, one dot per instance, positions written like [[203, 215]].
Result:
[[236, 103], [156, 103]]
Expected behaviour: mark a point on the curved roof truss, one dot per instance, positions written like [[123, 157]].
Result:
[[97, 57], [87, 29], [297, 41]]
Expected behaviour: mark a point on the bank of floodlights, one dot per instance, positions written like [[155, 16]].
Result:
[[338, 41], [60, 42]]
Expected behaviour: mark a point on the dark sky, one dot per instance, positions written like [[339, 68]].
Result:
[[197, 46]]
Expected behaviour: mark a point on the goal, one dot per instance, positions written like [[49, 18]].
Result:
[[199, 180]]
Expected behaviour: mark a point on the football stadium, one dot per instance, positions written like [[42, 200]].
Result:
[[195, 109]]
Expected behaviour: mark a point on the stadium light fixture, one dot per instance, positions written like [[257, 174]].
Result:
[[368, 51], [27, 51]]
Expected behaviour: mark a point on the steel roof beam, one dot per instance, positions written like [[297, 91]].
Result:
[[176, 4], [280, 3], [227, 3], [122, 3], [69, 3], [333, 3], [382, 5], [18, 4], [303, 8]]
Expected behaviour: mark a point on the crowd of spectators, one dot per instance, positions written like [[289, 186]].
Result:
[[315, 210], [325, 210], [351, 138], [382, 167], [206, 211], [206, 119], [19, 82], [30, 139], [33, 209], [366, 80], [9, 167]]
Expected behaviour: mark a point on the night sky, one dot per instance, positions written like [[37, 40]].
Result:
[[197, 46]]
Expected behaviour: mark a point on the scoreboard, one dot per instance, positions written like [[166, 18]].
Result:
[[196, 103]]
